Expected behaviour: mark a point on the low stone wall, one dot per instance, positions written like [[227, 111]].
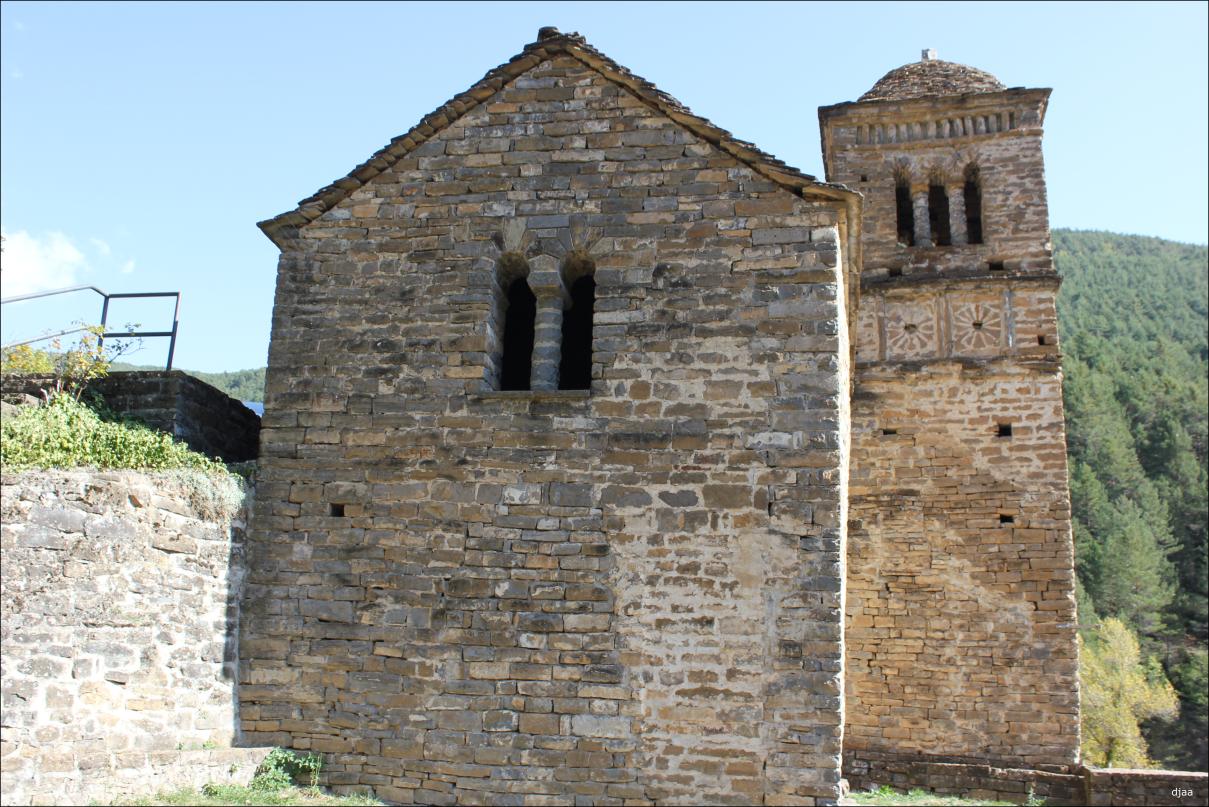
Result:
[[1080, 786], [957, 777], [204, 417], [115, 778], [120, 601], [1145, 787]]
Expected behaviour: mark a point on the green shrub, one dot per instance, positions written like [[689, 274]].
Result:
[[65, 433], [282, 767]]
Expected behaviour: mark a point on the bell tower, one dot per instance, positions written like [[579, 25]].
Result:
[[960, 618]]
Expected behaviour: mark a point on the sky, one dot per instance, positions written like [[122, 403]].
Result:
[[140, 143]]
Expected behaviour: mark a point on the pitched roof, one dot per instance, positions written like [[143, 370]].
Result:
[[550, 43]]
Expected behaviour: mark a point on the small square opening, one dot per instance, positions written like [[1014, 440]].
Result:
[[1041, 340], [896, 271], [1006, 519], [337, 510], [995, 266], [889, 432], [864, 177], [1005, 430]]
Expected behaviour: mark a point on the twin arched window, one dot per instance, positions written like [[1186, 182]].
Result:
[[518, 311], [941, 226]]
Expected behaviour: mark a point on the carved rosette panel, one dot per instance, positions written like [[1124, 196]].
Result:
[[911, 330], [977, 327]]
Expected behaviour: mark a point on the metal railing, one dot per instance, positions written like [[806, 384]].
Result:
[[105, 334]]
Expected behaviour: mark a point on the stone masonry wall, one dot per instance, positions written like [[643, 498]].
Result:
[[868, 146], [960, 570], [1135, 788], [960, 640], [630, 594], [120, 603]]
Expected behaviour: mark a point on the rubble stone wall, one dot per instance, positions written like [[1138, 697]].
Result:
[[627, 593], [120, 603]]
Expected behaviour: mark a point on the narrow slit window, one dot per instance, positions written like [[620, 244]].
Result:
[[1006, 519], [938, 215], [519, 319], [906, 213], [575, 367], [973, 200]]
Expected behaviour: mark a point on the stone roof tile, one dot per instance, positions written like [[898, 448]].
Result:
[[931, 77]]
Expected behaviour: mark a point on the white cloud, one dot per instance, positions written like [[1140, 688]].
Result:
[[31, 263], [128, 267], [101, 246]]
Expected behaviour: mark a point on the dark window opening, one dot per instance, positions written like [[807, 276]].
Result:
[[995, 266], [896, 271], [517, 360], [1041, 339], [1005, 429], [575, 368], [889, 432], [938, 215], [973, 200], [864, 177], [1006, 519], [906, 214], [337, 510]]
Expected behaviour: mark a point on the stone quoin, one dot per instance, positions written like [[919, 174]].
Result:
[[607, 459]]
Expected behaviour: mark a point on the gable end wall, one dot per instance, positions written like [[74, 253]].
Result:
[[632, 594]]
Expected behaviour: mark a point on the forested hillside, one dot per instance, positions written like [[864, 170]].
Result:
[[1133, 318]]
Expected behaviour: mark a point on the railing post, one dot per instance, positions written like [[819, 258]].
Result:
[[104, 320]]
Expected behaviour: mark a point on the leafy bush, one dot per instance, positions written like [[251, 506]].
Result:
[[69, 370], [65, 433], [282, 767], [1119, 691]]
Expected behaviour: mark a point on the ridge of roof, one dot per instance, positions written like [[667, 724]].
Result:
[[550, 43]]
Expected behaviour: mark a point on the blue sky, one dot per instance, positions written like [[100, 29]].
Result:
[[140, 143]]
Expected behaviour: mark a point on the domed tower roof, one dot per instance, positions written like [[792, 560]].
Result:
[[931, 77]]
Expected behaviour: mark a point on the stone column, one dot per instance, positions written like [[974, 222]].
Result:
[[545, 279], [957, 213], [923, 228]]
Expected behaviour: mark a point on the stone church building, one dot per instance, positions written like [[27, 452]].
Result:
[[608, 459]]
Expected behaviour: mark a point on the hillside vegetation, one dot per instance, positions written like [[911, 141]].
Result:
[[1133, 319]]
